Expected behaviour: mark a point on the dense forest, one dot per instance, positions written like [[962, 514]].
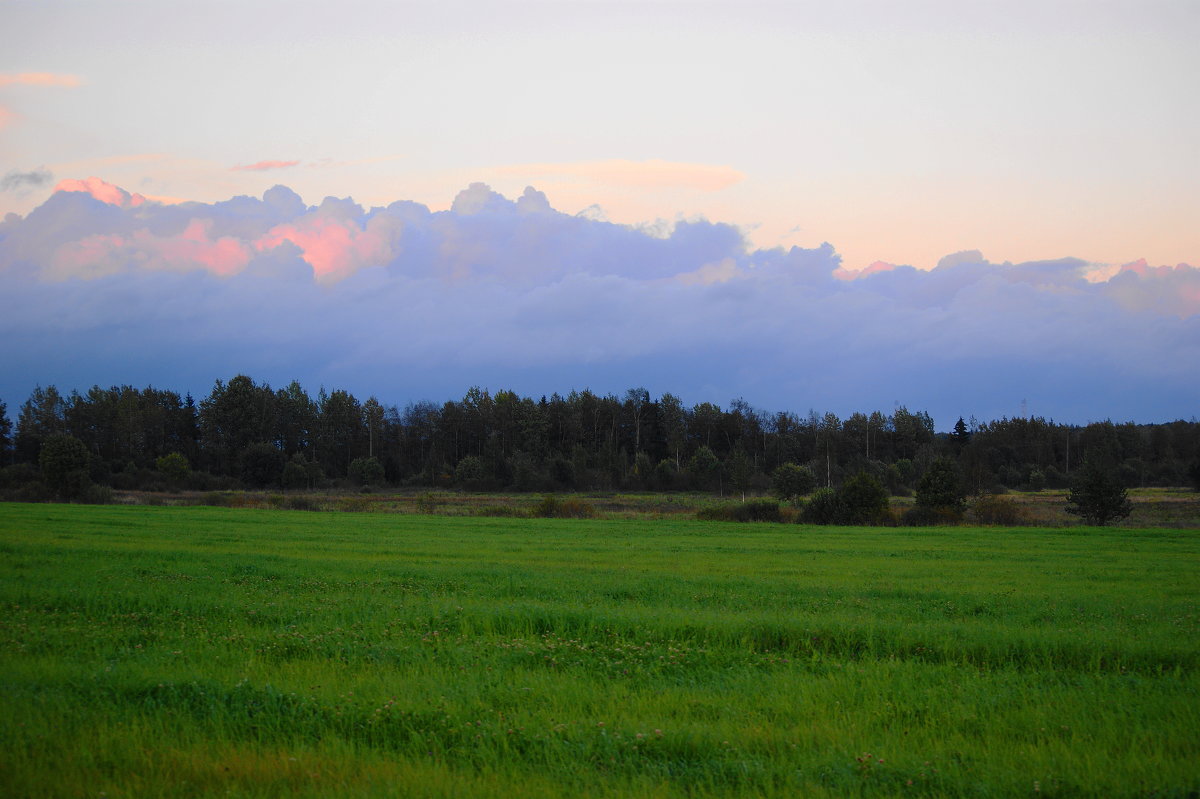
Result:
[[246, 434]]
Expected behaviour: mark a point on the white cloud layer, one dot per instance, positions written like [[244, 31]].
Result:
[[101, 286]]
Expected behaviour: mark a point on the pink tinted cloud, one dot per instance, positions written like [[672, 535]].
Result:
[[1143, 269], [89, 257], [102, 191], [164, 200], [263, 166], [1160, 289], [720, 272], [842, 273], [222, 256], [40, 79], [106, 254], [6, 117], [333, 247]]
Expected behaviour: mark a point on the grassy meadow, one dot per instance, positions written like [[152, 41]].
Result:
[[208, 651]]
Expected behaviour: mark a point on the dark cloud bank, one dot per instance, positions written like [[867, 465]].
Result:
[[407, 305]]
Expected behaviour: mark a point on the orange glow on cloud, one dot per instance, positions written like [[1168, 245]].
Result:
[[106, 254], [40, 79], [332, 247], [90, 257], [224, 256], [102, 191], [1102, 273], [1142, 269], [720, 272], [161, 200], [263, 166], [842, 273]]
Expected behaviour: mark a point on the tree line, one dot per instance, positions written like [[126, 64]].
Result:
[[247, 434]]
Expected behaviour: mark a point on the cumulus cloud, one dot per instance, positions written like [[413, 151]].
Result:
[[263, 166], [334, 239], [102, 191], [192, 248], [409, 304], [851, 274], [14, 180]]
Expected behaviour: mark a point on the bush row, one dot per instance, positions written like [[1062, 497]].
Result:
[[824, 508]]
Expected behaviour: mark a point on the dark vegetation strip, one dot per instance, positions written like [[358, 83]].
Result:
[[246, 434]]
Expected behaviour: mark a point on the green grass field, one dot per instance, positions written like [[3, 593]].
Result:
[[161, 651]]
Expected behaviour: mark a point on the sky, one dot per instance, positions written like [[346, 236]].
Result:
[[971, 208]]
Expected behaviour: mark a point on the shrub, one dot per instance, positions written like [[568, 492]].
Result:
[[366, 471], [301, 503], [126, 479], [64, 462], [703, 469], [18, 475], [863, 500], [219, 499], [33, 491], [546, 507], [262, 465], [900, 476], [665, 474], [642, 474], [427, 503], [996, 510], [860, 500], [925, 516], [503, 511], [941, 486], [97, 495], [174, 468], [527, 474], [470, 473], [206, 481], [575, 508], [551, 507], [823, 507], [790, 481], [757, 510], [294, 474], [716, 513], [1055, 478], [1097, 495], [562, 471]]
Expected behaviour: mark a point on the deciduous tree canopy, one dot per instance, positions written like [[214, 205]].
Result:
[[245, 432], [1096, 494]]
